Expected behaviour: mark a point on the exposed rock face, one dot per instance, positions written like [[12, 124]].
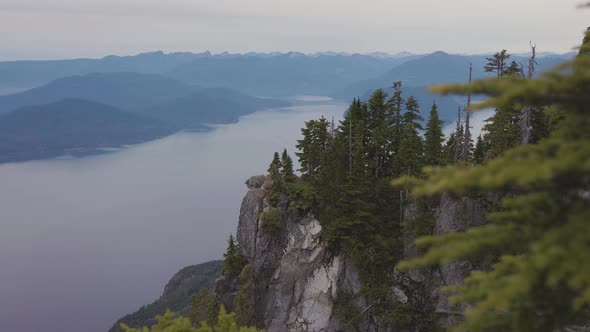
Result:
[[297, 278]]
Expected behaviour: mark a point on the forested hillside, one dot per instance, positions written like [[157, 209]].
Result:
[[374, 181]]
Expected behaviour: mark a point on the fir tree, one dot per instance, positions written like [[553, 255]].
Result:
[[433, 139], [540, 233], [244, 301], [278, 186], [287, 167], [274, 169], [497, 63], [479, 152], [203, 308], [233, 261], [396, 102], [411, 148], [313, 145]]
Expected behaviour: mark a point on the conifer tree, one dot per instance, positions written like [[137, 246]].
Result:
[[479, 152], [244, 301], [233, 261], [540, 234], [313, 145], [433, 139], [278, 183], [497, 63], [274, 169], [379, 129], [287, 167], [411, 148], [396, 103], [203, 308]]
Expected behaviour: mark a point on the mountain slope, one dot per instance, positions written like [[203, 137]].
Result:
[[29, 74], [207, 106], [185, 283], [283, 74], [123, 90], [50, 130]]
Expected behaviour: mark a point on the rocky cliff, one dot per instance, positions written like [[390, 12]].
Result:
[[299, 281]]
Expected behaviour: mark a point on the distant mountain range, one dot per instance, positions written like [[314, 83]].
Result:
[[101, 110], [268, 74], [436, 68], [153, 94]]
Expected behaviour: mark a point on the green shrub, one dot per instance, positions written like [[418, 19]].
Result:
[[271, 219]]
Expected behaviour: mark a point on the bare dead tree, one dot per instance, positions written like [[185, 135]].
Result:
[[458, 137], [350, 144], [525, 114], [467, 111]]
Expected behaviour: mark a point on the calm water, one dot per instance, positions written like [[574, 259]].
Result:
[[84, 241]]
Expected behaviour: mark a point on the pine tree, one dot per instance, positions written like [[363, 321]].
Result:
[[313, 145], [497, 63], [278, 185], [515, 70], [540, 234], [169, 322], [433, 139], [379, 130], [274, 169], [396, 103], [479, 152], [233, 261], [502, 131], [411, 148], [287, 167], [203, 308], [244, 301]]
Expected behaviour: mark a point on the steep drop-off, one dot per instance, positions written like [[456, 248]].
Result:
[[301, 285]]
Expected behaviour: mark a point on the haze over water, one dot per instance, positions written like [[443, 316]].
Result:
[[85, 241]]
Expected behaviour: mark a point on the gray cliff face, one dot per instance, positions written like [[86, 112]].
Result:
[[297, 278]]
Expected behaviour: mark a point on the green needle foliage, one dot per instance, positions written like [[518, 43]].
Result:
[[169, 322], [233, 261], [540, 235]]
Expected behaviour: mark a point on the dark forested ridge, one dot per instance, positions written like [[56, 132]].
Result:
[[208, 106], [72, 126], [185, 284], [111, 109], [380, 179], [124, 90]]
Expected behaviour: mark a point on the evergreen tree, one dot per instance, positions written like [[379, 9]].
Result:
[[540, 234], [244, 301], [502, 131], [169, 322], [515, 70], [278, 186], [396, 103], [379, 130], [203, 308], [274, 169], [313, 145], [479, 152], [497, 63], [233, 261], [411, 148], [287, 168], [433, 139]]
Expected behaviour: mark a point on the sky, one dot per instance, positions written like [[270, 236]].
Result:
[[52, 29]]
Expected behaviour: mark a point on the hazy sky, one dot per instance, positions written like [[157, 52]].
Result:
[[92, 28]]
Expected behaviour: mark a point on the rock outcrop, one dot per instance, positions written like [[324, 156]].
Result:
[[298, 279]]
